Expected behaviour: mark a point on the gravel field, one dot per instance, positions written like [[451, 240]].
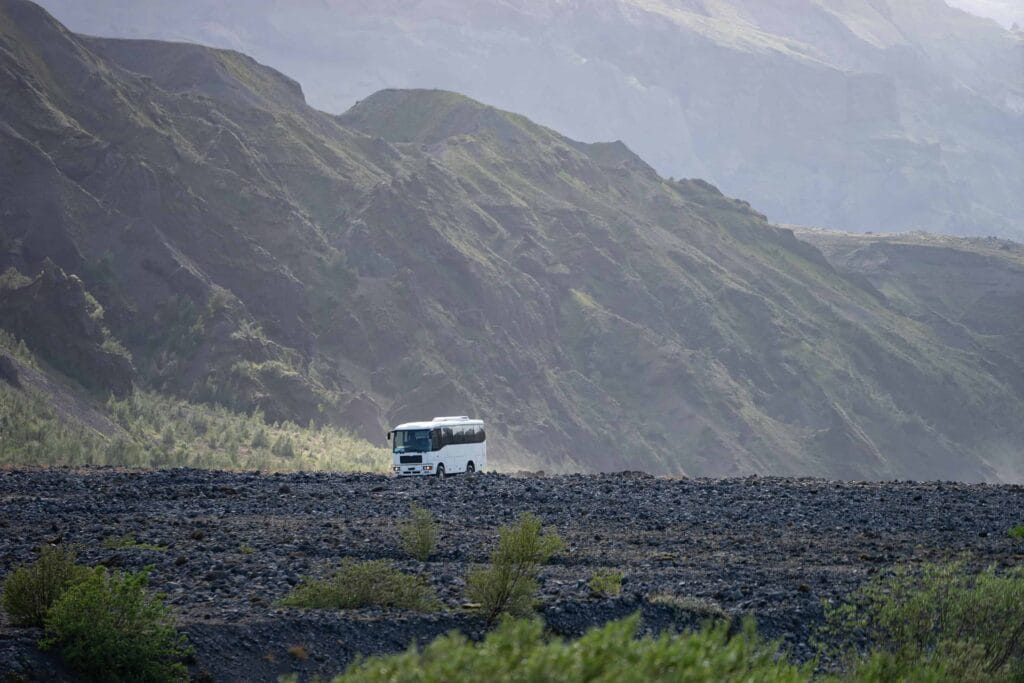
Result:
[[234, 543]]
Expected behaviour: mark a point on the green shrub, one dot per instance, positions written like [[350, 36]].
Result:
[[128, 541], [159, 431], [971, 625], [108, 627], [419, 534], [606, 583], [885, 667], [373, 583], [1016, 531], [517, 651], [686, 605], [30, 591], [509, 584]]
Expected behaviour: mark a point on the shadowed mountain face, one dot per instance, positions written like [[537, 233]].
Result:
[[858, 115], [424, 254]]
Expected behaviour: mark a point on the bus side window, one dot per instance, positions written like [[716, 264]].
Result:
[[435, 439], [481, 434], [447, 439], [460, 435], [474, 434]]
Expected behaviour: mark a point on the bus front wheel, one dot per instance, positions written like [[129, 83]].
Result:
[[440, 471]]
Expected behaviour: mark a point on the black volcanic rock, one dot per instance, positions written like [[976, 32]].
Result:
[[769, 548]]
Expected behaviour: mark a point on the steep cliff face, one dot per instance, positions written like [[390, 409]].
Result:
[[969, 292], [862, 115], [426, 254], [54, 315]]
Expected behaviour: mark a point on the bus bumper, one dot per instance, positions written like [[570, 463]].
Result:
[[412, 470]]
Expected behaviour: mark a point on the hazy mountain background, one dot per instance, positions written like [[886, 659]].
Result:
[[177, 219], [1006, 12], [860, 114]]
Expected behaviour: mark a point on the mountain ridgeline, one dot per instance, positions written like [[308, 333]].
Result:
[[425, 254], [857, 115]]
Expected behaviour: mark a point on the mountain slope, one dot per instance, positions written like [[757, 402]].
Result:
[[860, 115], [426, 254]]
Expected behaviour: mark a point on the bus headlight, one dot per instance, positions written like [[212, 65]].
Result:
[[427, 468]]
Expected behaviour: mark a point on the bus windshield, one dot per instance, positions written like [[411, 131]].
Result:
[[412, 441]]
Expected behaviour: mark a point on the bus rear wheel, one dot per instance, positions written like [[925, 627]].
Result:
[[440, 471], [470, 468]]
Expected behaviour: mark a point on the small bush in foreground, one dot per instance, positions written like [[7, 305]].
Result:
[[509, 584], [885, 667], [606, 583], [1016, 531], [373, 583], [30, 591], [419, 534], [517, 651], [108, 627], [940, 616]]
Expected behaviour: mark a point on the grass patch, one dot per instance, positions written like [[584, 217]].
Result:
[[1016, 531], [687, 605], [29, 592], [374, 583], [508, 586], [128, 542], [605, 583], [419, 534], [108, 627]]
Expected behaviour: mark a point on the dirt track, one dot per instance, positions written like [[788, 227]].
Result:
[[235, 543]]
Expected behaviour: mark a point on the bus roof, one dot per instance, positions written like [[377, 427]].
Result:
[[440, 422]]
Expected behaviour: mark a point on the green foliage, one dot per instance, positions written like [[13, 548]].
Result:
[[13, 279], [685, 605], [1016, 531], [283, 447], [108, 627], [17, 348], [517, 651], [606, 583], [159, 431], [969, 625], [30, 591], [373, 583], [419, 534], [128, 542], [509, 584], [885, 667], [112, 345]]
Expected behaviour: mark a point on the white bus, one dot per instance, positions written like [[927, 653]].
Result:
[[445, 445]]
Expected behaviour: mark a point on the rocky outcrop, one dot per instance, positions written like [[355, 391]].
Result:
[[62, 323]]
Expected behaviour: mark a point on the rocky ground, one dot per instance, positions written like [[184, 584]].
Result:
[[234, 543]]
